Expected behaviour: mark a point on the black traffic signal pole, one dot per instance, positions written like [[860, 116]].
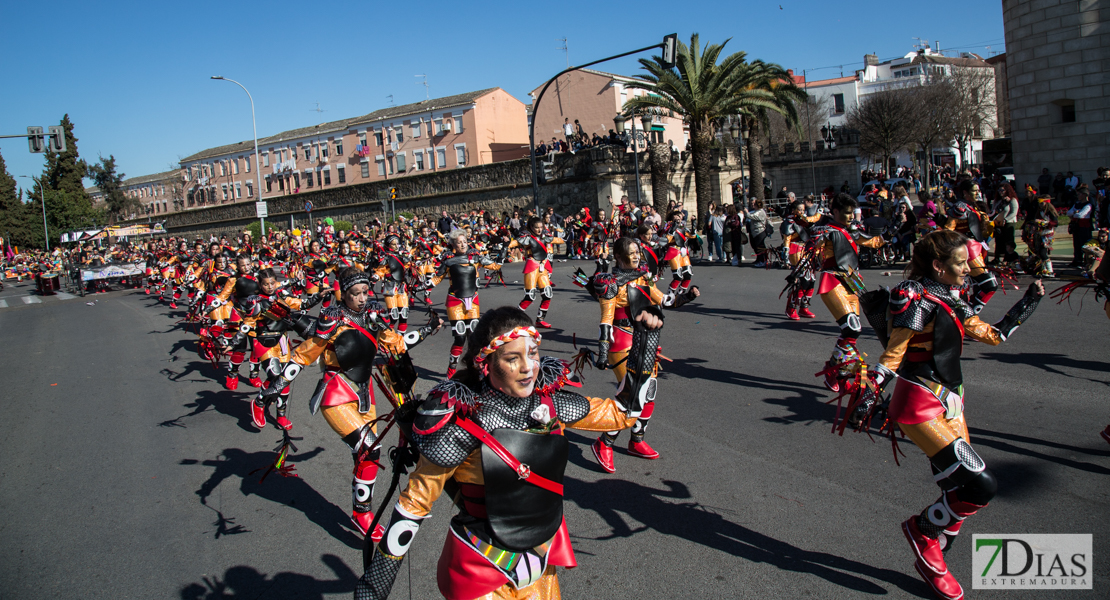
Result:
[[536, 107]]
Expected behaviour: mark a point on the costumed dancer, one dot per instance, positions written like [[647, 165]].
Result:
[[929, 324], [463, 308], [273, 313], [962, 216], [537, 269], [795, 235], [347, 337], [836, 254], [492, 439], [678, 254], [391, 271], [1038, 232], [630, 350]]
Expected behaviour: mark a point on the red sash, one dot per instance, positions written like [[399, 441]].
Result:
[[503, 453]]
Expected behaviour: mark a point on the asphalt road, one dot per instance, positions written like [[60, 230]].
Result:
[[126, 471]]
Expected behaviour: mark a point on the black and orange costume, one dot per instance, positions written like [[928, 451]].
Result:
[[926, 336], [964, 218], [463, 309], [1038, 232], [677, 257], [346, 342], [630, 350], [390, 270], [509, 533], [835, 253], [795, 236], [537, 273]]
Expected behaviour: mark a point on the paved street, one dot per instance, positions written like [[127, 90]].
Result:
[[126, 471]]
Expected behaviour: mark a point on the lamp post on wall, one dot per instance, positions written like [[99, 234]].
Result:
[[636, 137], [254, 125]]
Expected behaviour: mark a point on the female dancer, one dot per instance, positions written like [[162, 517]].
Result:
[[929, 324], [537, 269], [492, 439], [462, 294]]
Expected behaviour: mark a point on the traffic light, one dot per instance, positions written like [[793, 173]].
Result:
[[670, 46], [57, 135], [392, 193], [35, 139]]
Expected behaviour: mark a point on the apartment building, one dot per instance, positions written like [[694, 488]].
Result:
[[842, 94], [595, 99], [158, 194], [474, 128]]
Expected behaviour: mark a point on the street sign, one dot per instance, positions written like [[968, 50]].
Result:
[[260, 210], [308, 206], [57, 138], [35, 140]]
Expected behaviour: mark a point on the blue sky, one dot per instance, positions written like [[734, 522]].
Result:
[[134, 76]]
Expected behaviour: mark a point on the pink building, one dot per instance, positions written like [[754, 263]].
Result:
[[475, 128], [594, 98]]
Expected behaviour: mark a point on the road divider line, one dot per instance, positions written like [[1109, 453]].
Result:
[[65, 296], [3, 303], [31, 299]]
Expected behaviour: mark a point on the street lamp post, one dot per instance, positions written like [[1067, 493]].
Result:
[[42, 191], [739, 132], [254, 125]]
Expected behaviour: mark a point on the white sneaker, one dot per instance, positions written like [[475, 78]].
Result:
[[711, 259]]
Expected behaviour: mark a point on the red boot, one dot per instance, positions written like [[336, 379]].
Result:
[[831, 381], [604, 454], [792, 314], [805, 312], [926, 549], [642, 449], [255, 381], [362, 520], [173, 305], [944, 586], [284, 422], [258, 415], [232, 382], [543, 324]]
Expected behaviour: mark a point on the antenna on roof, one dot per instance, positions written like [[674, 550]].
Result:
[[564, 48], [427, 96], [921, 44]]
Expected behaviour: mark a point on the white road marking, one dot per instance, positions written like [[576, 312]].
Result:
[[3, 303], [31, 299], [65, 296]]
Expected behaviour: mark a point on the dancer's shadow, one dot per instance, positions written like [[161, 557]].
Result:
[[243, 582], [997, 440], [1053, 363], [707, 526], [288, 491], [807, 401], [223, 402]]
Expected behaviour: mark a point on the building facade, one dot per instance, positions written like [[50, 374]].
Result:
[[595, 99], [1057, 57], [475, 128]]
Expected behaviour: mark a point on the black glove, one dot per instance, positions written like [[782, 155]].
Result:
[[602, 360]]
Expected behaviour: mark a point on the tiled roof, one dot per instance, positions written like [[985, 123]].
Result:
[[157, 177], [343, 125]]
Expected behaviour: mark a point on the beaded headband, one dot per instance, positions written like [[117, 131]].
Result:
[[349, 282], [505, 338]]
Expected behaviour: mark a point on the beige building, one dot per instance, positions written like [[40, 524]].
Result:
[[158, 194], [1057, 54], [594, 99], [475, 128]]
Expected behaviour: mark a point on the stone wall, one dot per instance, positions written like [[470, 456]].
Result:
[[1056, 56]]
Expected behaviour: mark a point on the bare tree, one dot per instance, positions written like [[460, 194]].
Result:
[[812, 115], [972, 105], [932, 123], [885, 123]]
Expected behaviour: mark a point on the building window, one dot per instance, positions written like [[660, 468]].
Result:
[[431, 128], [400, 131], [308, 152], [339, 147], [460, 155], [378, 138], [365, 165], [323, 149], [247, 164], [307, 178], [362, 139], [439, 126], [269, 185], [415, 129], [838, 104], [281, 184], [296, 181], [327, 176], [458, 124], [235, 165], [381, 165], [319, 179], [238, 190], [223, 187], [441, 158], [418, 160], [341, 173], [265, 159], [1067, 110], [223, 168], [250, 188]]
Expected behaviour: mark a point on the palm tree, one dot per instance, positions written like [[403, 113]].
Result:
[[785, 94], [706, 93]]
